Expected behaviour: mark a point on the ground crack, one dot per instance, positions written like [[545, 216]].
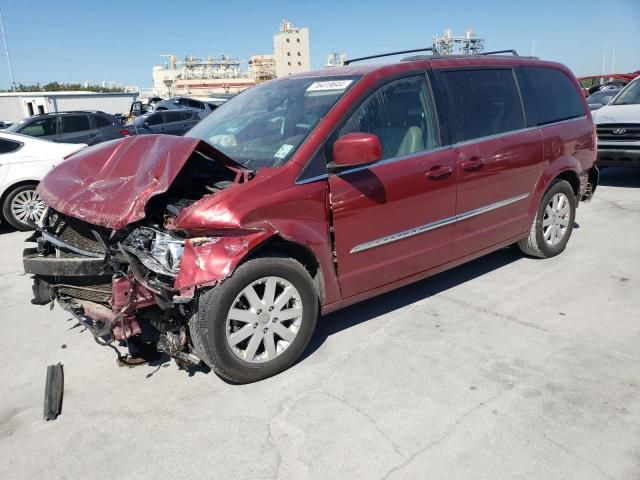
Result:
[[446, 434]]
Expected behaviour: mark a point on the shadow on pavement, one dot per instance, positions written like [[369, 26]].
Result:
[[388, 302], [627, 177]]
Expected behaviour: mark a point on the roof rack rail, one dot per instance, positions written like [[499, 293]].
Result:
[[347, 62], [497, 52]]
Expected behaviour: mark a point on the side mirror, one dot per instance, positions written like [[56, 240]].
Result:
[[145, 125], [355, 149], [606, 99]]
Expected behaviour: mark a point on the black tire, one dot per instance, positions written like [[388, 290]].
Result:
[[7, 212], [535, 244], [208, 323]]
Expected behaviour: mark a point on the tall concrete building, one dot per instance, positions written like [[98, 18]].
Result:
[[291, 49]]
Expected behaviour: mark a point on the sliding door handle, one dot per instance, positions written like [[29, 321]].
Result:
[[438, 172], [472, 165]]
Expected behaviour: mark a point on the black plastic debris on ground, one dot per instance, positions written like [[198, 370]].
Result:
[[54, 388]]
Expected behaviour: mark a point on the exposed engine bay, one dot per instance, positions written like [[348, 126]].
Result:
[[120, 283]]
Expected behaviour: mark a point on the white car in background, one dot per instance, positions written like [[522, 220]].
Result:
[[618, 127], [24, 161]]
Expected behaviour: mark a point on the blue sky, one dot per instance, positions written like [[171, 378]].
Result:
[[118, 40]]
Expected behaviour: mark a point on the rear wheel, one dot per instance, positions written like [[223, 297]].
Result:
[[257, 322], [22, 207], [553, 223]]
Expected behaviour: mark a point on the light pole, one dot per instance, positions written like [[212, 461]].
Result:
[[6, 49]]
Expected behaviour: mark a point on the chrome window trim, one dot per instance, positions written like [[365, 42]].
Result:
[[437, 224], [438, 149]]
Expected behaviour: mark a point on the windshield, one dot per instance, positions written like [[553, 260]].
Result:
[[596, 97], [16, 126], [265, 125], [630, 95]]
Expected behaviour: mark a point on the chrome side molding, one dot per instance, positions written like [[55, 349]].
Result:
[[437, 224]]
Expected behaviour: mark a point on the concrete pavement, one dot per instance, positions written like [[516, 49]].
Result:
[[504, 368]]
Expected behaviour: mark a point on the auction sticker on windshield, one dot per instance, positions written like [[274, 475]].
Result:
[[332, 85], [283, 150]]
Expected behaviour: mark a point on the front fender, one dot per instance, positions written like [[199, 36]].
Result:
[[209, 260]]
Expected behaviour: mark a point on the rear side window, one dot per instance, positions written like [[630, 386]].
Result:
[[549, 96], [172, 116], [102, 121], [154, 119], [75, 123], [401, 114], [8, 146], [483, 102], [42, 127]]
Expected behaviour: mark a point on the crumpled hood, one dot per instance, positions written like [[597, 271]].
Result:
[[109, 184]]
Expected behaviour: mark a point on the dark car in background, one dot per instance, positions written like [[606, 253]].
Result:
[[170, 122], [601, 98], [177, 103], [71, 127]]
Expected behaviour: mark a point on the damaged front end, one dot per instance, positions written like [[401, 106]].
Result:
[[126, 274]]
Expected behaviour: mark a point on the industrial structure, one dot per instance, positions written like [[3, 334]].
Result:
[[262, 68], [449, 43], [205, 77], [335, 59], [291, 49], [222, 77], [15, 106]]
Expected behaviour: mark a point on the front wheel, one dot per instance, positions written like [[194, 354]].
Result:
[[23, 207], [258, 322], [553, 223]]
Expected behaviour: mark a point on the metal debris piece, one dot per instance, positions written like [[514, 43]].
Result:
[[54, 388]]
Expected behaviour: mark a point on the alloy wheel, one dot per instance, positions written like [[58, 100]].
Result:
[[556, 218], [27, 207], [264, 319]]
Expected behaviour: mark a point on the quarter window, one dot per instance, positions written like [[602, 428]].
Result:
[[549, 96], [483, 102], [401, 114], [8, 146], [101, 121]]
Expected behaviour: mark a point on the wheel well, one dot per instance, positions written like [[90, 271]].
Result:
[[278, 245], [10, 189], [571, 177]]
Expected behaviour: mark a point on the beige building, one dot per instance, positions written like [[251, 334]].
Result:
[[291, 49], [212, 87], [206, 77], [262, 68]]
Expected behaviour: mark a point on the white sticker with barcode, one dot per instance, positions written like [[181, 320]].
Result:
[[283, 150], [331, 85]]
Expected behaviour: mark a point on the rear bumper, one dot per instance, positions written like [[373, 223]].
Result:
[[618, 157]]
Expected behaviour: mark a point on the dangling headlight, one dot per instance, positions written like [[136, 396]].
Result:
[[159, 251], [167, 250]]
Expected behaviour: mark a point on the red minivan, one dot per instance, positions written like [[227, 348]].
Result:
[[309, 193]]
